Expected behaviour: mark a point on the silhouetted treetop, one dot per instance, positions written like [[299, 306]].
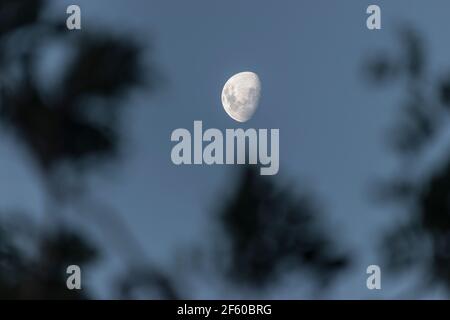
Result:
[[271, 230]]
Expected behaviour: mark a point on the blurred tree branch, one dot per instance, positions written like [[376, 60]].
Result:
[[424, 238]]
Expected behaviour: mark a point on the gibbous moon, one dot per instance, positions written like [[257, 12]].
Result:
[[240, 95]]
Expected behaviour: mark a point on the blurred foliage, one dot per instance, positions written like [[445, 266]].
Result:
[[271, 231], [423, 189], [33, 262], [420, 109], [60, 128]]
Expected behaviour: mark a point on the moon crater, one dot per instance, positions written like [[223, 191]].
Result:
[[240, 95]]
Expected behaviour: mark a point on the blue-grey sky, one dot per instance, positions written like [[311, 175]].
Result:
[[309, 55]]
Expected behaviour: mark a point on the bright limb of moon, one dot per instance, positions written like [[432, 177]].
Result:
[[240, 95]]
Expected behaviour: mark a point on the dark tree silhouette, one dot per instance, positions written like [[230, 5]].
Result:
[[261, 233], [71, 124], [37, 270], [424, 238], [270, 230]]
